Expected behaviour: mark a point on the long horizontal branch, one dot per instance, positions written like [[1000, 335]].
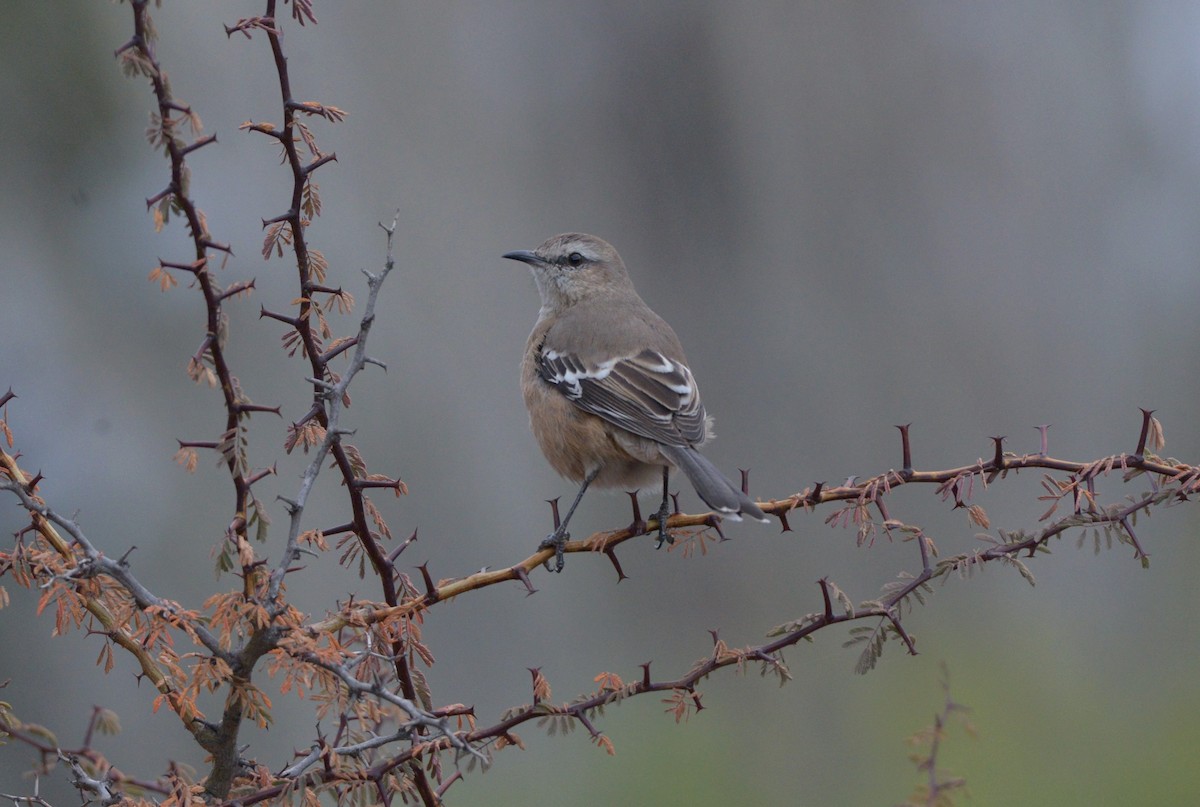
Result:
[[868, 491]]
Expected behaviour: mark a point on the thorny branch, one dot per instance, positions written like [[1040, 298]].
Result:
[[329, 389], [938, 789], [399, 750], [331, 401], [76, 571], [406, 732], [84, 759], [1169, 481], [210, 362]]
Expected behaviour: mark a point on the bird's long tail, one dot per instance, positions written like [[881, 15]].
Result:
[[714, 488]]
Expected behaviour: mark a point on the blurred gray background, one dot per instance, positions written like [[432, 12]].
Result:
[[974, 218]]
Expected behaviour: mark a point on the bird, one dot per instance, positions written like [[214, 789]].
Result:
[[611, 400]]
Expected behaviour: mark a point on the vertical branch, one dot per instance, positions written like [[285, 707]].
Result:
[[138, 57], [329, 392]]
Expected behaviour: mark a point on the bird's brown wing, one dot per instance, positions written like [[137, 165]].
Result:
[[647, 394]]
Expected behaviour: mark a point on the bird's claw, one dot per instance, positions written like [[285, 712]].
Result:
[[664, 535], [555, 541]]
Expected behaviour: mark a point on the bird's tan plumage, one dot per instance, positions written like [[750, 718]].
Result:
[[610, 397]]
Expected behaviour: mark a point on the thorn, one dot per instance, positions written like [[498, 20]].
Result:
[[291, 505], [645, 674], [329, 355], [998, 458], [783, 523], [32, 484], [1077, 496], [1045, 438], [198, 144], [124, 559], [715, 634], [195, 267], [824, 584], [313, 411], [8, 396], [554, 509], [396, 552], [638, 525], [587, 724], [1138, 552], [265, 472], [205, 346], [249, 407], [237, 288], [535, 672], [907, 638], [745, 480], [431, 594], [675, 503], [317, 163], [883, 511], [326, 289], [814, 498], [444, 786], [158, 197], [714, 521], [523, 576], [612, 556], [217, 245], [1147, 414], [286, 320], [905, 448]]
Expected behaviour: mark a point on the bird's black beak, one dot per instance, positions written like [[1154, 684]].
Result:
[[523, 255]]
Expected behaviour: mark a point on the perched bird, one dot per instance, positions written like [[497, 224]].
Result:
[[610, 397]]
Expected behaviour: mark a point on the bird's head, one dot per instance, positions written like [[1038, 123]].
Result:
[[573, 267]]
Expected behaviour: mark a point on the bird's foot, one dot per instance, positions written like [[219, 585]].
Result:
[[664, 535], [555, 541]]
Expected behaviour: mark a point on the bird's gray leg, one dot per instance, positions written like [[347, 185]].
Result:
[[560, 535], [664, 511]]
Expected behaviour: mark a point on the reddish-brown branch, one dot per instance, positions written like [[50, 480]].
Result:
[[1186, 477], [318, 360], [50, 753], [1168, 480]]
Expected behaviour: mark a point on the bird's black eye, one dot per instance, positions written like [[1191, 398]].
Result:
[[575, 259]]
